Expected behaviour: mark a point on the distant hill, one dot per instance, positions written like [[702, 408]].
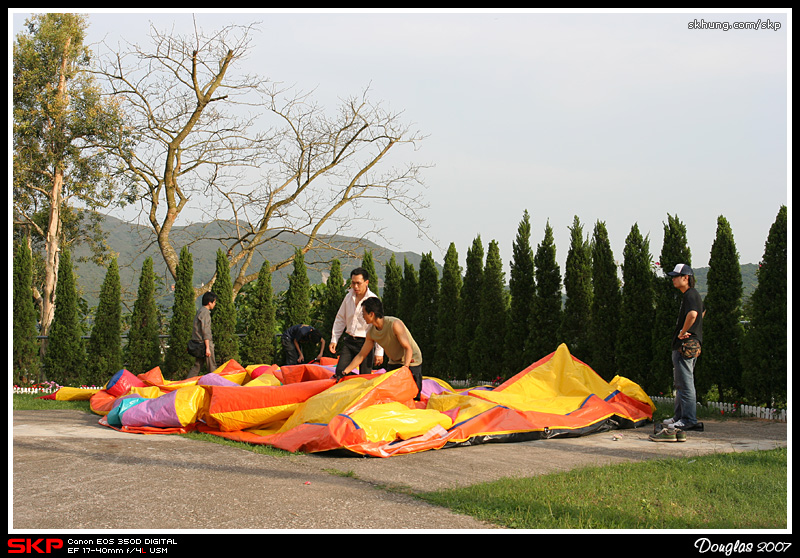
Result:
[[133, 243], [749, 279]]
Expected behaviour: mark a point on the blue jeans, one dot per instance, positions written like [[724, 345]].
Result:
[[686, 396]]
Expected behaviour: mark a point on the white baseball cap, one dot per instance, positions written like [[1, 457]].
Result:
[[681, 269]]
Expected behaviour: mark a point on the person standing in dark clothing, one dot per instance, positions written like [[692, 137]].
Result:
[[686, 342], [201, 333]]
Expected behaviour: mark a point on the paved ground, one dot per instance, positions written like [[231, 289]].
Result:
[[71, 473]]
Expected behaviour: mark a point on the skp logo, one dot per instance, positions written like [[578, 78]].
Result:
[[30, 546]]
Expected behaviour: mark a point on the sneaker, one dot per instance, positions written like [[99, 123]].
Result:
[[665, 435], [668, 421], [680, 435], [698, 426]]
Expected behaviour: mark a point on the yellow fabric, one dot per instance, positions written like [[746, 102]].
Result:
[[148, 392], [243, 419], [335, 400], [263, 380], [188, 403], [75, 394], [388, 421], [557, 386], [467, 406], [631, 389]]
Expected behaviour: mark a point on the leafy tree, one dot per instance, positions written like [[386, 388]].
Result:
[[578, 287], [409, 293], [143, 351], [522, 289], [104, 350], [298, 295], [63, 126], [177, 361], [547, 313], [368, 263], [469, 311], [765, 365], [65, 355], [25, 363], [223, 316], [427, 311], [335, 291], [490, 333], [674, 250], [606, 299], [722, 331], [634, 337], [392, 287], [447, 347], [258, 346]]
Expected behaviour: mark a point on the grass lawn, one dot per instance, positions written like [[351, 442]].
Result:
[[720, 491]]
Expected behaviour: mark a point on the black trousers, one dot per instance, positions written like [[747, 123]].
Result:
[[347, 349], [292, 357]]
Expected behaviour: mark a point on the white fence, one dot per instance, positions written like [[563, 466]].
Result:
[[44, 390], [779, 415]]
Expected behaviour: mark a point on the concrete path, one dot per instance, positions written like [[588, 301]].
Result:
[[71, 473]]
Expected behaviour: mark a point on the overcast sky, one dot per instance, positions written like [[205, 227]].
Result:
[[613, 116]]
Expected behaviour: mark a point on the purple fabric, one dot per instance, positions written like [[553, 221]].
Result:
[[159, 412], [212, 379]]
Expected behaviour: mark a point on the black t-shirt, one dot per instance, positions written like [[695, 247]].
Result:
[[691, 301], [299, 332]]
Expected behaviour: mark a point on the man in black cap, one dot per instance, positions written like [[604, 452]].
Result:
[[686, 341]]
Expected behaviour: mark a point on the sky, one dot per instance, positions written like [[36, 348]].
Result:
[[621, 117]]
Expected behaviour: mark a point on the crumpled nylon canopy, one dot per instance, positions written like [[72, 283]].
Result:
[[302, 408]]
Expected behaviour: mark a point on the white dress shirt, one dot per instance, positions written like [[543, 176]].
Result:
[[350, 319]]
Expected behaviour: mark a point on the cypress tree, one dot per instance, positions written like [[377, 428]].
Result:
[[335, 291], [674, 250], [223, 316], [143, 351], [426, 315], [368, 263], [258, 346], [634, 337], [722, 331], [469, 312], [545, 323], [25, 365], [408, 294], [765, 364], [490, 333], [522, 289], [177, 361], [104, 350], [298, 295], [65, 355], [578, 287], [606, 299], [447, 347], [392, 288]]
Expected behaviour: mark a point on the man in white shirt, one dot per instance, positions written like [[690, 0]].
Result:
[[349, 327]]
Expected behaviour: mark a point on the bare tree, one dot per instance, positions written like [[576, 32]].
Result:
[[249, 152]]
